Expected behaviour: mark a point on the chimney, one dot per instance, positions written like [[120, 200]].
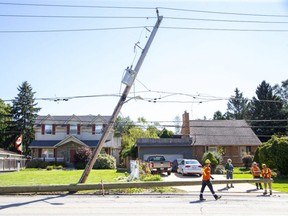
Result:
[[185, 125]]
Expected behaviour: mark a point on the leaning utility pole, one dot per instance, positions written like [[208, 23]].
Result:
[[129, 79]]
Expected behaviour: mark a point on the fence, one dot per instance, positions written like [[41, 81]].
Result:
[[11, 164]]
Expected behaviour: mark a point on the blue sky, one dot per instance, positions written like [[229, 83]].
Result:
[[185, 69]]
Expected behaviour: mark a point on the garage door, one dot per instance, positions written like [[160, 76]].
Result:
[[168, 157]]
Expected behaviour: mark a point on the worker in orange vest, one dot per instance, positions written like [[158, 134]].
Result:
[[256, 172], [206, 181], [266, 174]]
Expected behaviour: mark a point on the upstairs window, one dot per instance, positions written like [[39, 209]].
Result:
[[48, 129], [98, 128], [73, 129]]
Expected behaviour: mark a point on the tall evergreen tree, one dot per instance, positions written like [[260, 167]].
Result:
[[24, 113], [265, 110], [237, 106]]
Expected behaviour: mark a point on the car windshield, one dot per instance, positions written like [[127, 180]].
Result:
[[156, 158]]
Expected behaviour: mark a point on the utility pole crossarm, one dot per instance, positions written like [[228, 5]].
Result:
[[117, 109]]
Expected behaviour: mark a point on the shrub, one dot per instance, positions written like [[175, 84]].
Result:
[[150, 177], [49, 168], [81, 157], [105, 161], [35, 163], [247, 160]]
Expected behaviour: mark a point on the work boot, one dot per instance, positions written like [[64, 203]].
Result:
[[232, 186], [217, 197], [201, 198], [265, 192], [270, 192]]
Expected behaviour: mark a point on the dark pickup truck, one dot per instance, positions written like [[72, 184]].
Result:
[[158, 164]]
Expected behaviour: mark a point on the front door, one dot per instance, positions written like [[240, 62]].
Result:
[[72, 155]]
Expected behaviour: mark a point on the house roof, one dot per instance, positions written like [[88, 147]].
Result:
[[163, 142], [63, 119], [222, 132], [9, 153]]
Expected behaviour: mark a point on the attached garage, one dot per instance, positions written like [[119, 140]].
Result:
[[170, 148]]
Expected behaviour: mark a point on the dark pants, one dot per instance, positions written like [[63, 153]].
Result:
[[258, 185], [204, 184]]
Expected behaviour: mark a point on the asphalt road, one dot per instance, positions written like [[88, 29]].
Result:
[[241, 200]]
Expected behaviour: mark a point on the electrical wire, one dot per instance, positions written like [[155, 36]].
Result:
[[72, 30]]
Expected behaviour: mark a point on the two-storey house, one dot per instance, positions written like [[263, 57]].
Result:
[[57, 138]]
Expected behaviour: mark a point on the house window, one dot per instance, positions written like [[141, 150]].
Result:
[[98, 128], [73, 129], [48, 129], [248, 149], [211, 149], [47, 153]]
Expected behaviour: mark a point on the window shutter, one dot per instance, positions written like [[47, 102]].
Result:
[[53, 129], [78, 129], [43, 129], [93, 129], [68, 128]]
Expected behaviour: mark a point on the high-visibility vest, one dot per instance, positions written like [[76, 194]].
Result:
[[255, 170], [266, 173], [206, 173]]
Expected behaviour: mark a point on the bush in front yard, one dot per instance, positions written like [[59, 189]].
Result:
[[105, 161], [81, 157], [35, 163]]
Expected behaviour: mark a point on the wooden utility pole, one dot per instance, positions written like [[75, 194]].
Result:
[[122, 100]]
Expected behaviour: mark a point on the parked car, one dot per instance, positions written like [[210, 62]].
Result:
[[189, 166], [175, 164]]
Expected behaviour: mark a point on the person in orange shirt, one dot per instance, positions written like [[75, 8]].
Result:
[[206, 181], [256, 172], [266, 174]]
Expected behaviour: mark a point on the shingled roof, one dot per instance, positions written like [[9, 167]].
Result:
[[222, 132]]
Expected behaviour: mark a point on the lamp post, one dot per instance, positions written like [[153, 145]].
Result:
[[128, 79]]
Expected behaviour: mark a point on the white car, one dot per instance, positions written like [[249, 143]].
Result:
[[189, 166]]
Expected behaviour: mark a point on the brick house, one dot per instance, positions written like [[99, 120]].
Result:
[[57, 138], [234, 137]]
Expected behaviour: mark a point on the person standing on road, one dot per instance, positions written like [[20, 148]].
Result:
[[256, 172], [266, 174], [229, 171], [206, 181]]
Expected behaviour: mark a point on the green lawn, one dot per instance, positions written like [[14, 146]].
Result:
[[44, 177]]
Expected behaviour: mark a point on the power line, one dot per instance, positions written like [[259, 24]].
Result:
[[224, 29], [73, 30], [223, 13], [75, 6], [75, 17], [140, 17], [140, 8]]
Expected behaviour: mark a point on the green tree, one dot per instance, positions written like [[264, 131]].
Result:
[[128, 140], [219, 116], [5, 118], [24, 113], [267, 106], [274, 153], [165, 133], [122, 125], [237, 106]]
